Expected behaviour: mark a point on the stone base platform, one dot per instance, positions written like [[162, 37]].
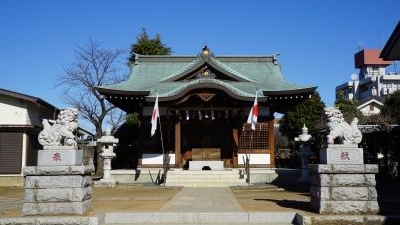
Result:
[[53, 190], [344, 189], [258, 175], [205, 178], [52, 208], [198, 165], [55, 220]]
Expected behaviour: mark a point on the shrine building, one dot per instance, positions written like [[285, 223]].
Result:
[[204, 101]]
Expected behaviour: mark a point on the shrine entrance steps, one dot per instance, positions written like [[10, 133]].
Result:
[[206, 178]]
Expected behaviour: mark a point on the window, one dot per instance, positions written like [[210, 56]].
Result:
[[260, 138], [375, 70], [10, 152], [371, 108]]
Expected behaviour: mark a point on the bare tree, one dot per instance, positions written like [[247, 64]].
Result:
[[94, 66]]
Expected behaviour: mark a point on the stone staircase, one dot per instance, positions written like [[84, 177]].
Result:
[[205, 178]]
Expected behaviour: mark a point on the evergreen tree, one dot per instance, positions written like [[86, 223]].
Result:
[[391, 107], [148, 46], [347, 107], [310, 112]]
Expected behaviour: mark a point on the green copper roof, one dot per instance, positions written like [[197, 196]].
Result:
[[173, 76]]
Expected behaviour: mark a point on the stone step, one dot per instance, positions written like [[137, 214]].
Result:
[[205, 181], [193, 218], [202, 223], [204, 184], [253, 218], [205, 174], [183, 178], [230, 171], [46, 220], [205, 178]]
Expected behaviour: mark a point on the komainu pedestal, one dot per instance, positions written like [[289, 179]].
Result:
[[342, 183], [58, 189], [343, 189], [60, 184]]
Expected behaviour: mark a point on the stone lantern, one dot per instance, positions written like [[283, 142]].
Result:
[[108, 142], [305, 151]]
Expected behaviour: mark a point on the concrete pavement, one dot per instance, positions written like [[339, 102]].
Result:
[[203, 199]]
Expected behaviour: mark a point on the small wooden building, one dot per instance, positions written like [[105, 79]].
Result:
[[20, 124], [204, 103]]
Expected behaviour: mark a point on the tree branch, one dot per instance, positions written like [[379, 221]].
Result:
[[94, 66]]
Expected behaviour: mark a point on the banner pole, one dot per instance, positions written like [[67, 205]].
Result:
[[164, 157]]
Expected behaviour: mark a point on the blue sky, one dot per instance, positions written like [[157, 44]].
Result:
[[316, 39]]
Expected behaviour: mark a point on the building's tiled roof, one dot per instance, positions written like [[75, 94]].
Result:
[[391, 50], [243, 75], [28, 98]]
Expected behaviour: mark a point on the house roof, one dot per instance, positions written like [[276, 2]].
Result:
[[28, 98], [36, 101], [369, 57], [391, 51], [370, 101], [171, 77]]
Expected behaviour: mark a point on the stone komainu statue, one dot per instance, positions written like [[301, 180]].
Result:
[[62, 131], [339, 128]]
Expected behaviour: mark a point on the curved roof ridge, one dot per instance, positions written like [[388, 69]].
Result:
[[186, 68], [184, 86], [230, 70], [213, 62]]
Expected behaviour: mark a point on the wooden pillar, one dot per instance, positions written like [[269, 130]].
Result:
[[178, 158], [271, 141], [235, 132]]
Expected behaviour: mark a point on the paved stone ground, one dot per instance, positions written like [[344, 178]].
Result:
[[131, 198], [203, 199], [151, 198], [158, 199], [11, 200], [272, 198]]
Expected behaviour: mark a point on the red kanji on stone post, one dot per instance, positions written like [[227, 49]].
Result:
[[56, 157], [344, 156]]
